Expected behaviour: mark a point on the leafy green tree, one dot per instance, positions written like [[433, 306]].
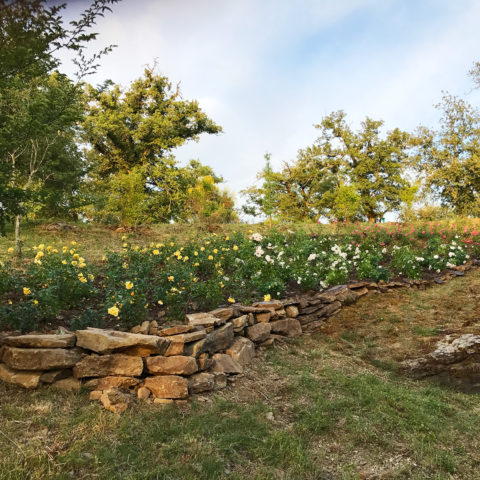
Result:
[[450, 157], [139, 127], [38, 106]]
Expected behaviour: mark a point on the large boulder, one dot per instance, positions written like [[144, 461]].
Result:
[[40, 358], [174, 365], [105, 365], [167, 386], [41, 341], [108, 341]]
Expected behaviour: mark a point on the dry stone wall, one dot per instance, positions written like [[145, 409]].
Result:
[[168, 364]]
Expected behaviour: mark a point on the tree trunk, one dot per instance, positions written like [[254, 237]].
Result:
[[18, 241]]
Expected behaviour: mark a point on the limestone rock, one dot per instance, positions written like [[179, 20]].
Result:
[[108, 341], [95, 395], [105, 365], [194, 349], [175, 365], [226, 364], [23, 378], [54, 375], [220, 380], [106, 383], [40, 358], [115, 400], [271, 304], [242, 350], [292, 311], [41, 341], [239, 323], [176, 347], [347, 297], [69, 384], [330, 309], [140, 351], [167, 386], [201, 382], [225, 313], [263, 317], [220, 339], [204, 320], [143, 393], [162, 401], [289, 327], [259, 333], [189, 337], [166, 332], [204, 362]]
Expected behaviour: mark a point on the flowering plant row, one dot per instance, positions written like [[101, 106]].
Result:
[[141, 282]]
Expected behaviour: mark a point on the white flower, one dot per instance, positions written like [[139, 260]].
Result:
[[311, 257], [384, 250], [435, 257], [451, 254], [257, 237], [258, 251]]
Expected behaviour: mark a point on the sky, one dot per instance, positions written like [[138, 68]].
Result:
[[267, 71]]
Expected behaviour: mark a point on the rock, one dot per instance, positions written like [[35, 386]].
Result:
[[239, 323], [40, 358], [289, 327], [220, 339], [69, 384], [194, 349], [263, 317], [108, 341], [188, 337], [259, 333], [201, 382], [226, 364], [347, 297], [115, 400], [204, 362], [175, 348], [225, 313], [360, 292], [272, 304], [220, 380], [175, 365], [105, 365], [153, 328], [204, 320], [140, 351], [330, 309], [292, 311], [41, 341], [23, 378], [95, 395], [253, 310], [109, 382], [357, 285], [242, 350], [167, 386], [54, 375], [143, 393], [162, 401], [166, 332]]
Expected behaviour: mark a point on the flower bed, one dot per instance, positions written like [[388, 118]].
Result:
[[170, 279]]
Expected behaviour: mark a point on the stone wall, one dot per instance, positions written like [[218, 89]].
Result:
[[167, 364]]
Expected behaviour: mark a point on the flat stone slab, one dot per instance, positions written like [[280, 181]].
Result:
[[40, 358], [41, 341], [167, 386], [23, 378], [105, 365], [108, 341], [174, 365], [204, 320]]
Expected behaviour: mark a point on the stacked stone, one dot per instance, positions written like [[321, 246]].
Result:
[[164, 365], [33, 360]]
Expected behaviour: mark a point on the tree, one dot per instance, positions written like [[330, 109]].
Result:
[[450, 157], [39, 106], [139, 128]]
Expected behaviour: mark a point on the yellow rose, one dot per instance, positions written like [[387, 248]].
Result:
[[210, 257], [267, 298], [171, 278], [156, 252], [113, 311], [160, 302], [231, 300], [128, 285], [26, 291], [10, 250]]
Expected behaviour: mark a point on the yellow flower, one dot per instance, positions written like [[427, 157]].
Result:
[[125, 265], [128, 285], [26, 291], [195, 279], [113, 311], [235, 247], [125, 245], [160, 302], [202, 248], [35, 302], [172, 244], [41, 246], [73, 242], [171, 278], [64, 249], [91, 277], [10, 250], [72, 251], [156, 252], [231, 300], [227, 238], [267, 298], [104, 258], [195, 253], [9, 302], [64, 262], [196, 264], [215, 250], [82, 265], [76, 256], [210, 257], [39, 255], [124, 237], [185, 259], [83, 279], [74, 262], [177, 253]]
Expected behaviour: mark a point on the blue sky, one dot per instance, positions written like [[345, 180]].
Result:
[[268, 70]]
